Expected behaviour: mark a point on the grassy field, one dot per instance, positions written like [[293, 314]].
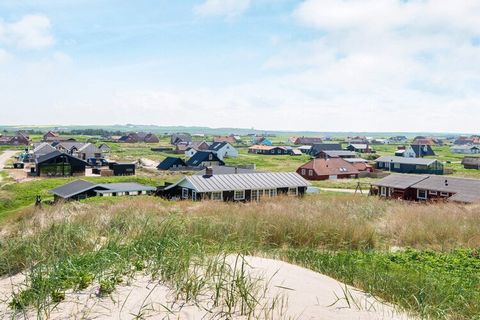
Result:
[[14, 196], [424, 259]]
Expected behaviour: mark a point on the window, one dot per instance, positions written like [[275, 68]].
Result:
[[444, 194], [396, 165], [254, 196], [184, 193], [217, 196], [433, 193], [383, 191], [310, 172], [422, 194], [194, 195], [292, 191], [303, 172], [239, 195], [270, 192]]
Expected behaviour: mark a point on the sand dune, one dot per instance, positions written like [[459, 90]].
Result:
[[299, 294]]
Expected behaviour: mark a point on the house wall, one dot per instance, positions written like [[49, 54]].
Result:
[[319, 177], [227, 195], [435, 168]]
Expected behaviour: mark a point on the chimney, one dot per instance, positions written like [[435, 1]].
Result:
[[208, 171], [236, 169], [446, 183]]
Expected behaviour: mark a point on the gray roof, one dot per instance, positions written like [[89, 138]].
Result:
[[463, 147], [42, 148], [356, 160], [359, 145], [226, 170], [70, 189], [339, 153], [403, 160], [400, 181], [243, 181], [464, 190], [79, 186]]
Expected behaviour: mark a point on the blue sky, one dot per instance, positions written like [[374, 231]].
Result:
[[322, 65]]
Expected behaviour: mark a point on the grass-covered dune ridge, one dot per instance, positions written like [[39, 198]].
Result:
[[71, 245]]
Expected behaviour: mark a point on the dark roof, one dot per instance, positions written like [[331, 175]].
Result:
[[80, 186], [168, 162], [400, 181], [217, 146], [55, 154], [73, 188], [200, 156], [316, 148], [423, 150]]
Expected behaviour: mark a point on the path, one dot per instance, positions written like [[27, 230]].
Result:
[[5, 156], [365, 192]]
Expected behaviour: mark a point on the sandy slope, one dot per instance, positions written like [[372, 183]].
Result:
[[303, 293]]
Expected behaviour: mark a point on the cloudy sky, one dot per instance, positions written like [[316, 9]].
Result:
[[320, 65]]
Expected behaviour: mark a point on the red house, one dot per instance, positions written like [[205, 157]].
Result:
[[325, 169]]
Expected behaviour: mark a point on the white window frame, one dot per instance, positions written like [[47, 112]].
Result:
[[383, 191], [304, 172], [433, 193], [418, 194], [184, 193], [444, 194], [293, 191], [271, 192], [217, 198], [242, 197], [310, 172]]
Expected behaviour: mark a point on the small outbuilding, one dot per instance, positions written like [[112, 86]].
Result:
[[122, 169]]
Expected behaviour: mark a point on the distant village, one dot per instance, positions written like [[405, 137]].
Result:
[[412, 172]]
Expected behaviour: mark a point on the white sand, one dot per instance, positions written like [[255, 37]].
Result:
[[305, 295]]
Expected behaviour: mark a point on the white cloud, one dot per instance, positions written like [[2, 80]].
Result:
[[226, 8], [32, 31], [4, 56], [375, 61]]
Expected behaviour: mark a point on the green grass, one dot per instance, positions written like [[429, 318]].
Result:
[[104, 243], [435, 284], [14, 196]]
